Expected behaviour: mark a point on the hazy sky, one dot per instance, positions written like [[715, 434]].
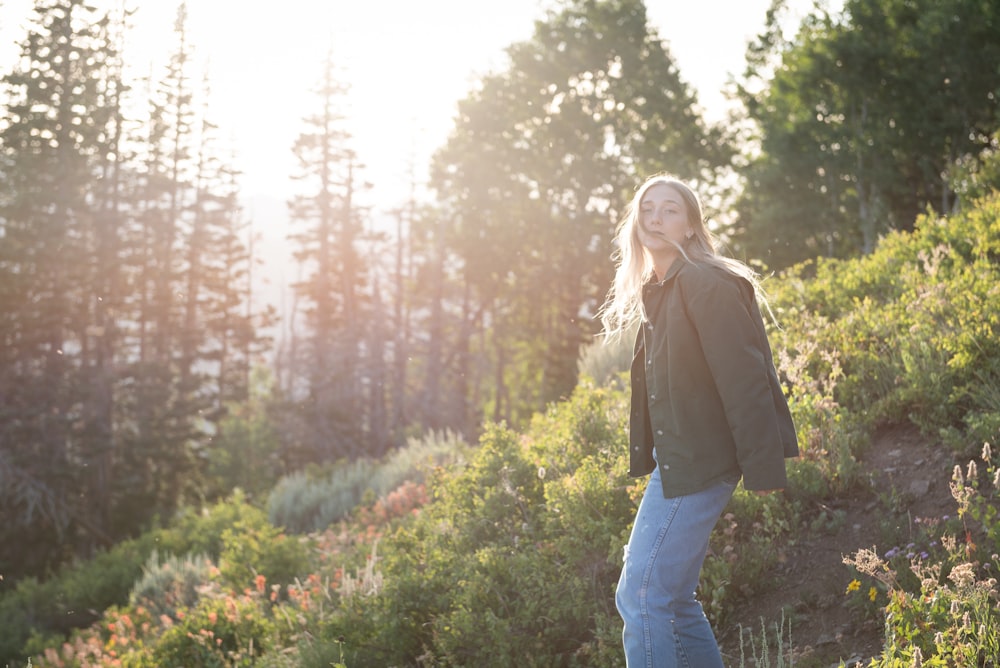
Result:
[[408, 64]]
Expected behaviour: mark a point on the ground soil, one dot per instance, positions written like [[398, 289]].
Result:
[[909, 476]]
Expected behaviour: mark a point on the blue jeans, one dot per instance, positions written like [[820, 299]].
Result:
[[665, 626]]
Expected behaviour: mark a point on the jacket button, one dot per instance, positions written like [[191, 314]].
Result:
[[652, 397], [659, 432], [666, 467]]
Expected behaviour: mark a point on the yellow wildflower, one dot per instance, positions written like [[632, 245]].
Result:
[[854, 585], [872, 593]]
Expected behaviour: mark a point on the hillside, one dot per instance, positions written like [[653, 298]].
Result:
[[909, 476], [508, 553]]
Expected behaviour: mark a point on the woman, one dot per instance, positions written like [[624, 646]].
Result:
[[707, 409]]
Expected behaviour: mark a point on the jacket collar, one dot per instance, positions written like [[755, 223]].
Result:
[[671, 272]]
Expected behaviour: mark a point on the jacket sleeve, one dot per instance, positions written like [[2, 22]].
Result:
[[720, 306]]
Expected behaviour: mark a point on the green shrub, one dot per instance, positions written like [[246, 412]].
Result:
[[910, 332], [539, 521], [70, 598], [244, 453], [225, 632], [603, 362], [170, 583], [255, 549], [199, 530], [301, 502]]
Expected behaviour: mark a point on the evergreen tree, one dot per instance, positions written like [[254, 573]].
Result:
[[160, 438], [862, 120], [57, 226], [332, 347]]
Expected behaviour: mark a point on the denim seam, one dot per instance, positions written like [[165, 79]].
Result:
[[647, 575]]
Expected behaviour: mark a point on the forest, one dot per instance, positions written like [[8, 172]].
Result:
[[431, 470]]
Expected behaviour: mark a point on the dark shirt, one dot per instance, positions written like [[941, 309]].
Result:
[[705, 393]]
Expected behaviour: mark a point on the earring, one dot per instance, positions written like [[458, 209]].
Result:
[[689, 234]]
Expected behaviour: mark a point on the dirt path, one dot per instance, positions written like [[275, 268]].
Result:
[[909, 476]]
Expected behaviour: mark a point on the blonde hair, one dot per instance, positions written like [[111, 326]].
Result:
[[623, 308]]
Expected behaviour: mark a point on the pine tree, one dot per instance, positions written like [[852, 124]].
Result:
[[57, 227], [159, 440], [331, 229]]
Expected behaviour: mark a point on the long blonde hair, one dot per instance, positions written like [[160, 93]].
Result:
[[623, 308]]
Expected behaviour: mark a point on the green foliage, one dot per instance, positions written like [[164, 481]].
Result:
[[908, 333], [976, 177], [255, 549], [170, 583], [528, 584], [200, 530], [543, 155], [223, 633], [244, 453], [862, 121], [303, 502], [68, 598], [760, 646], [603, 361]]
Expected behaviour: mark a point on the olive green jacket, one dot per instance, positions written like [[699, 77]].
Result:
[[705, 393]]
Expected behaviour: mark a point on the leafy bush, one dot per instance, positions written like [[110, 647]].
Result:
[[602, 362], [301, 502], [539, 521], [224, 632], [255, 549], [910, 332], [244, 453], [170, 583], [68, 599]]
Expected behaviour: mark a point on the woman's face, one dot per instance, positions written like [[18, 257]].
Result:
[[663, 218]]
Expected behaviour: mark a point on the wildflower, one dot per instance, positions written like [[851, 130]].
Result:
[[973, 472], [866, 561], [962, 575], [541, 472], [260, 581], [213, 617], [854, 585], [987, 453], [956, 475], [872, 593]]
